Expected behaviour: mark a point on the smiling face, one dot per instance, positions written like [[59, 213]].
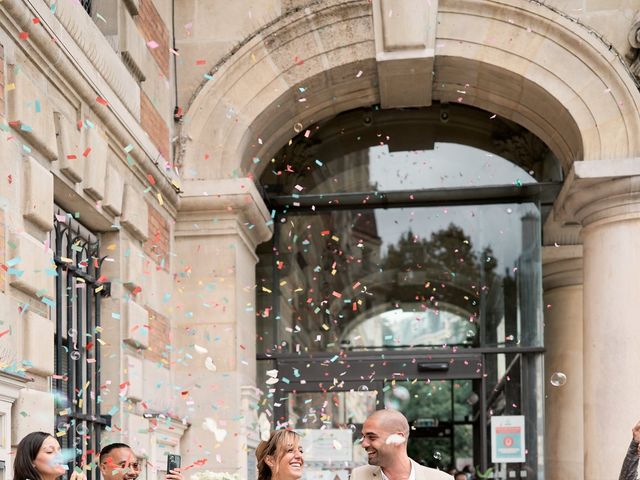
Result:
[[48, 461], [384, 436], [374, 438], [290, 463], [281, 455], [120, 464]]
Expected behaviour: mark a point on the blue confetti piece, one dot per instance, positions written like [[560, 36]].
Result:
[[49, 302], [14, 261]]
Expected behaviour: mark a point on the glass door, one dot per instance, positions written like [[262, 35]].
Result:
[[443, 415]]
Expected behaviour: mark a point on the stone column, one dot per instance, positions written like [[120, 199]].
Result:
[[605, 199], [219, 225], [562, 282]]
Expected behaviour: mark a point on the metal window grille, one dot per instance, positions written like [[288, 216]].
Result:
[[79, 289], [86, 4]]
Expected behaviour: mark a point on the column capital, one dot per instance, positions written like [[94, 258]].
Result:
[[600, 191], [561, 266], [223, 207]]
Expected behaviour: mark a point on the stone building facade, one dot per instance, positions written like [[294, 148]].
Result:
[[147, 123]]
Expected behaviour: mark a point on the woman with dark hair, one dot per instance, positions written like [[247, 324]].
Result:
[[38, 458], [280, 457]]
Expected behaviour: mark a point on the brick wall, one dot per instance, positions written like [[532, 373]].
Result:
[[157, 246], [154, 125], [153, 28], [159, 338]]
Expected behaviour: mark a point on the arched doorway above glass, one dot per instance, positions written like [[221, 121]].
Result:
[[445, 146], [405, 229], [405, 270]]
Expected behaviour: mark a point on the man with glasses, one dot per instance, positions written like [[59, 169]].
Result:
[[118, 462]]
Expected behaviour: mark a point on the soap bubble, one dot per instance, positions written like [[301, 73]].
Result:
[[363, 388], [558, 379], [298, 127], [73, 333], [75, 355], [401, 392], [82, 429], [62, 426], [437, 455]]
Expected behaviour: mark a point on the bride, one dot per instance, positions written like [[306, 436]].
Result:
[[280, 457]]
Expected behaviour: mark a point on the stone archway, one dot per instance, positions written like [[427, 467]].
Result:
[[515, 58]]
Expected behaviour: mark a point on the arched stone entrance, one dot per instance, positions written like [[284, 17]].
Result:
[[518, 59]]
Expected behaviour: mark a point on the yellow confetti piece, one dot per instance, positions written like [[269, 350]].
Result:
[[111, 247], [325, 327], [265, 289], [160, 200], [11, 86]]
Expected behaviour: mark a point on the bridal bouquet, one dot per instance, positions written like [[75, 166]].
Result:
[[209, 475]]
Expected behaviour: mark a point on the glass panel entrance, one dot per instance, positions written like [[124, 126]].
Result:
[[404, 271], [402, 278]]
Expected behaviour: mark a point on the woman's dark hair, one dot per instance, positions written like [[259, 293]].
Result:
[[26, 454], [274, 447]]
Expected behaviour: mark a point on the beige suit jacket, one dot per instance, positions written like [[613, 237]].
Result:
[[370, 472]]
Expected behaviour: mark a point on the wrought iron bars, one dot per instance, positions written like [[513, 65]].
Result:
[[86, 4], [77, 382]]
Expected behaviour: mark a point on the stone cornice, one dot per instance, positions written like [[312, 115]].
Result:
[[229, 206], [600, 191], [95, 46], [51, 45], [561, 266], [10, 385]]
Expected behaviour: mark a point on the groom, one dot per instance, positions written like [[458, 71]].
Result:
[[384, 437]]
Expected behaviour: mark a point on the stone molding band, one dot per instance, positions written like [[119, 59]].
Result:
[[609, 200]]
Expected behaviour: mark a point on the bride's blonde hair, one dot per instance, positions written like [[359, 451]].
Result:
[[275, 447]]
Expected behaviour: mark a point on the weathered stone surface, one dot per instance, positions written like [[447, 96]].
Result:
[[136, 322], [38, 194], [96, 149], [132, 264], [135, 214], [30, 273], [30, 108], [134, 375], [114, 191], [38, 344], [69, 154], [39, 408]]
